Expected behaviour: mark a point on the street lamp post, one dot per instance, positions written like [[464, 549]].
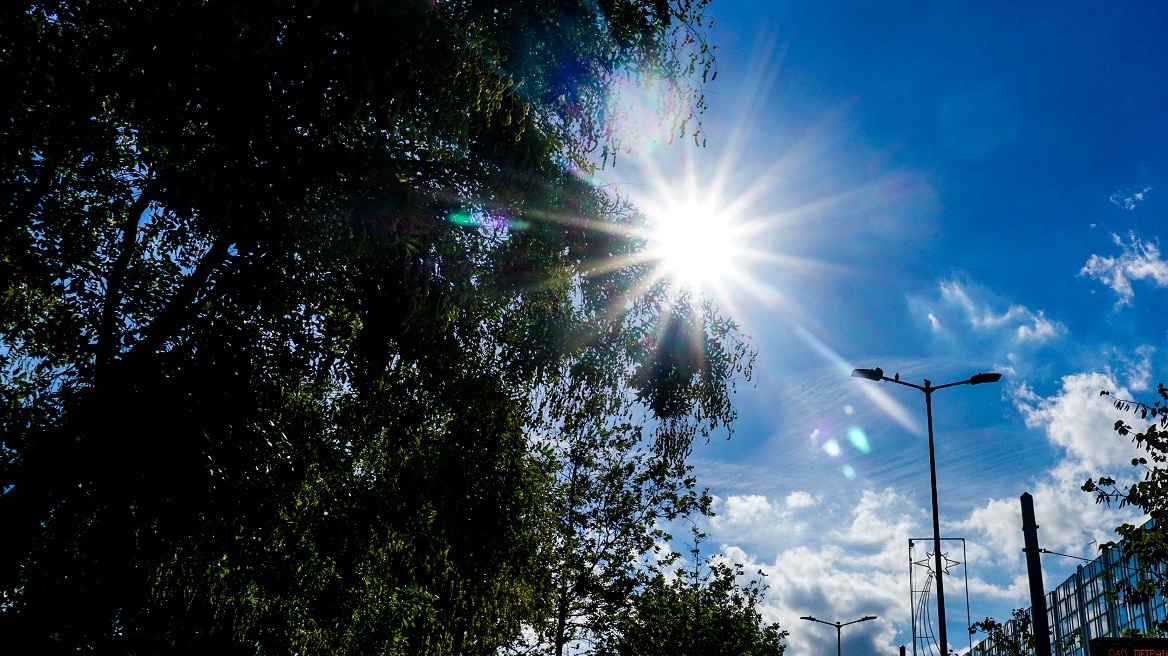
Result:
[[839, 627], [928, 388]]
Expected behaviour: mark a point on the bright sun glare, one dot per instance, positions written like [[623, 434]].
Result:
[[694, 245]]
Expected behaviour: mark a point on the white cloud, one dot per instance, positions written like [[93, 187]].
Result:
[[981, 312], [1043, 329], [755, 521], [1129, 199], [1018, 588], [882, 518], [800, 499], [855, 566], [1077, 420], [955, 293], [820, 583], [1139, 261], [837, 549], [999, 521], [747, 509], [1069, 521], [1138, 369]]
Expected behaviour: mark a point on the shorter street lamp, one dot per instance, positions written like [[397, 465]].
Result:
[[839, 627]]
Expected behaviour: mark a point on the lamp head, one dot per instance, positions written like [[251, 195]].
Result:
[[978, 379], [870, 374], [867, 617], [808, 617]]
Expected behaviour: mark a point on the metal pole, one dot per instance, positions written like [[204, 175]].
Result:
[[1038, 618], [912, 589], [941, 630], [877, 374], [839, 627]]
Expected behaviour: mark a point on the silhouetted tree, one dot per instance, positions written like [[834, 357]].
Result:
[[287, 290]]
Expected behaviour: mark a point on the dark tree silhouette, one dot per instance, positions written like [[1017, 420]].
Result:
[[287, 290]]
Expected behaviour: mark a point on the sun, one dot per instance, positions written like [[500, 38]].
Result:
[[694, 244]]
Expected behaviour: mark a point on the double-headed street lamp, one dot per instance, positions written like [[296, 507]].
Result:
[[839, 626], [928, 388]]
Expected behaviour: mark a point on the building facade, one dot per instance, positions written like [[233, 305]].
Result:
[[1080, 605]]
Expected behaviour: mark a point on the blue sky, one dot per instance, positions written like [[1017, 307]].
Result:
[[937, 189]]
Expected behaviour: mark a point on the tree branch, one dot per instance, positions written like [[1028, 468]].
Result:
[[168, 319], [106, 331]]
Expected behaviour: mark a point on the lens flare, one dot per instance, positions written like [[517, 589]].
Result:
[[479, 219], [859, 439]]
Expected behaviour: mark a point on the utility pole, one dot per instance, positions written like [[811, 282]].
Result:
[[1038, 621]]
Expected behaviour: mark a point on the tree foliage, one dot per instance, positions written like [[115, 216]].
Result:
[[1145, 545], [704, 610], [294, 297], [612, 497], [1015, 638]]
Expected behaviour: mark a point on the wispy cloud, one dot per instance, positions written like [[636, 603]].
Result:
[[1136, 368], [1041, 330], [1130, 199], [1138, 261], [988, 315]]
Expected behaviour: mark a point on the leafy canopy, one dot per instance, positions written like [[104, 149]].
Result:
[[293, 296]]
